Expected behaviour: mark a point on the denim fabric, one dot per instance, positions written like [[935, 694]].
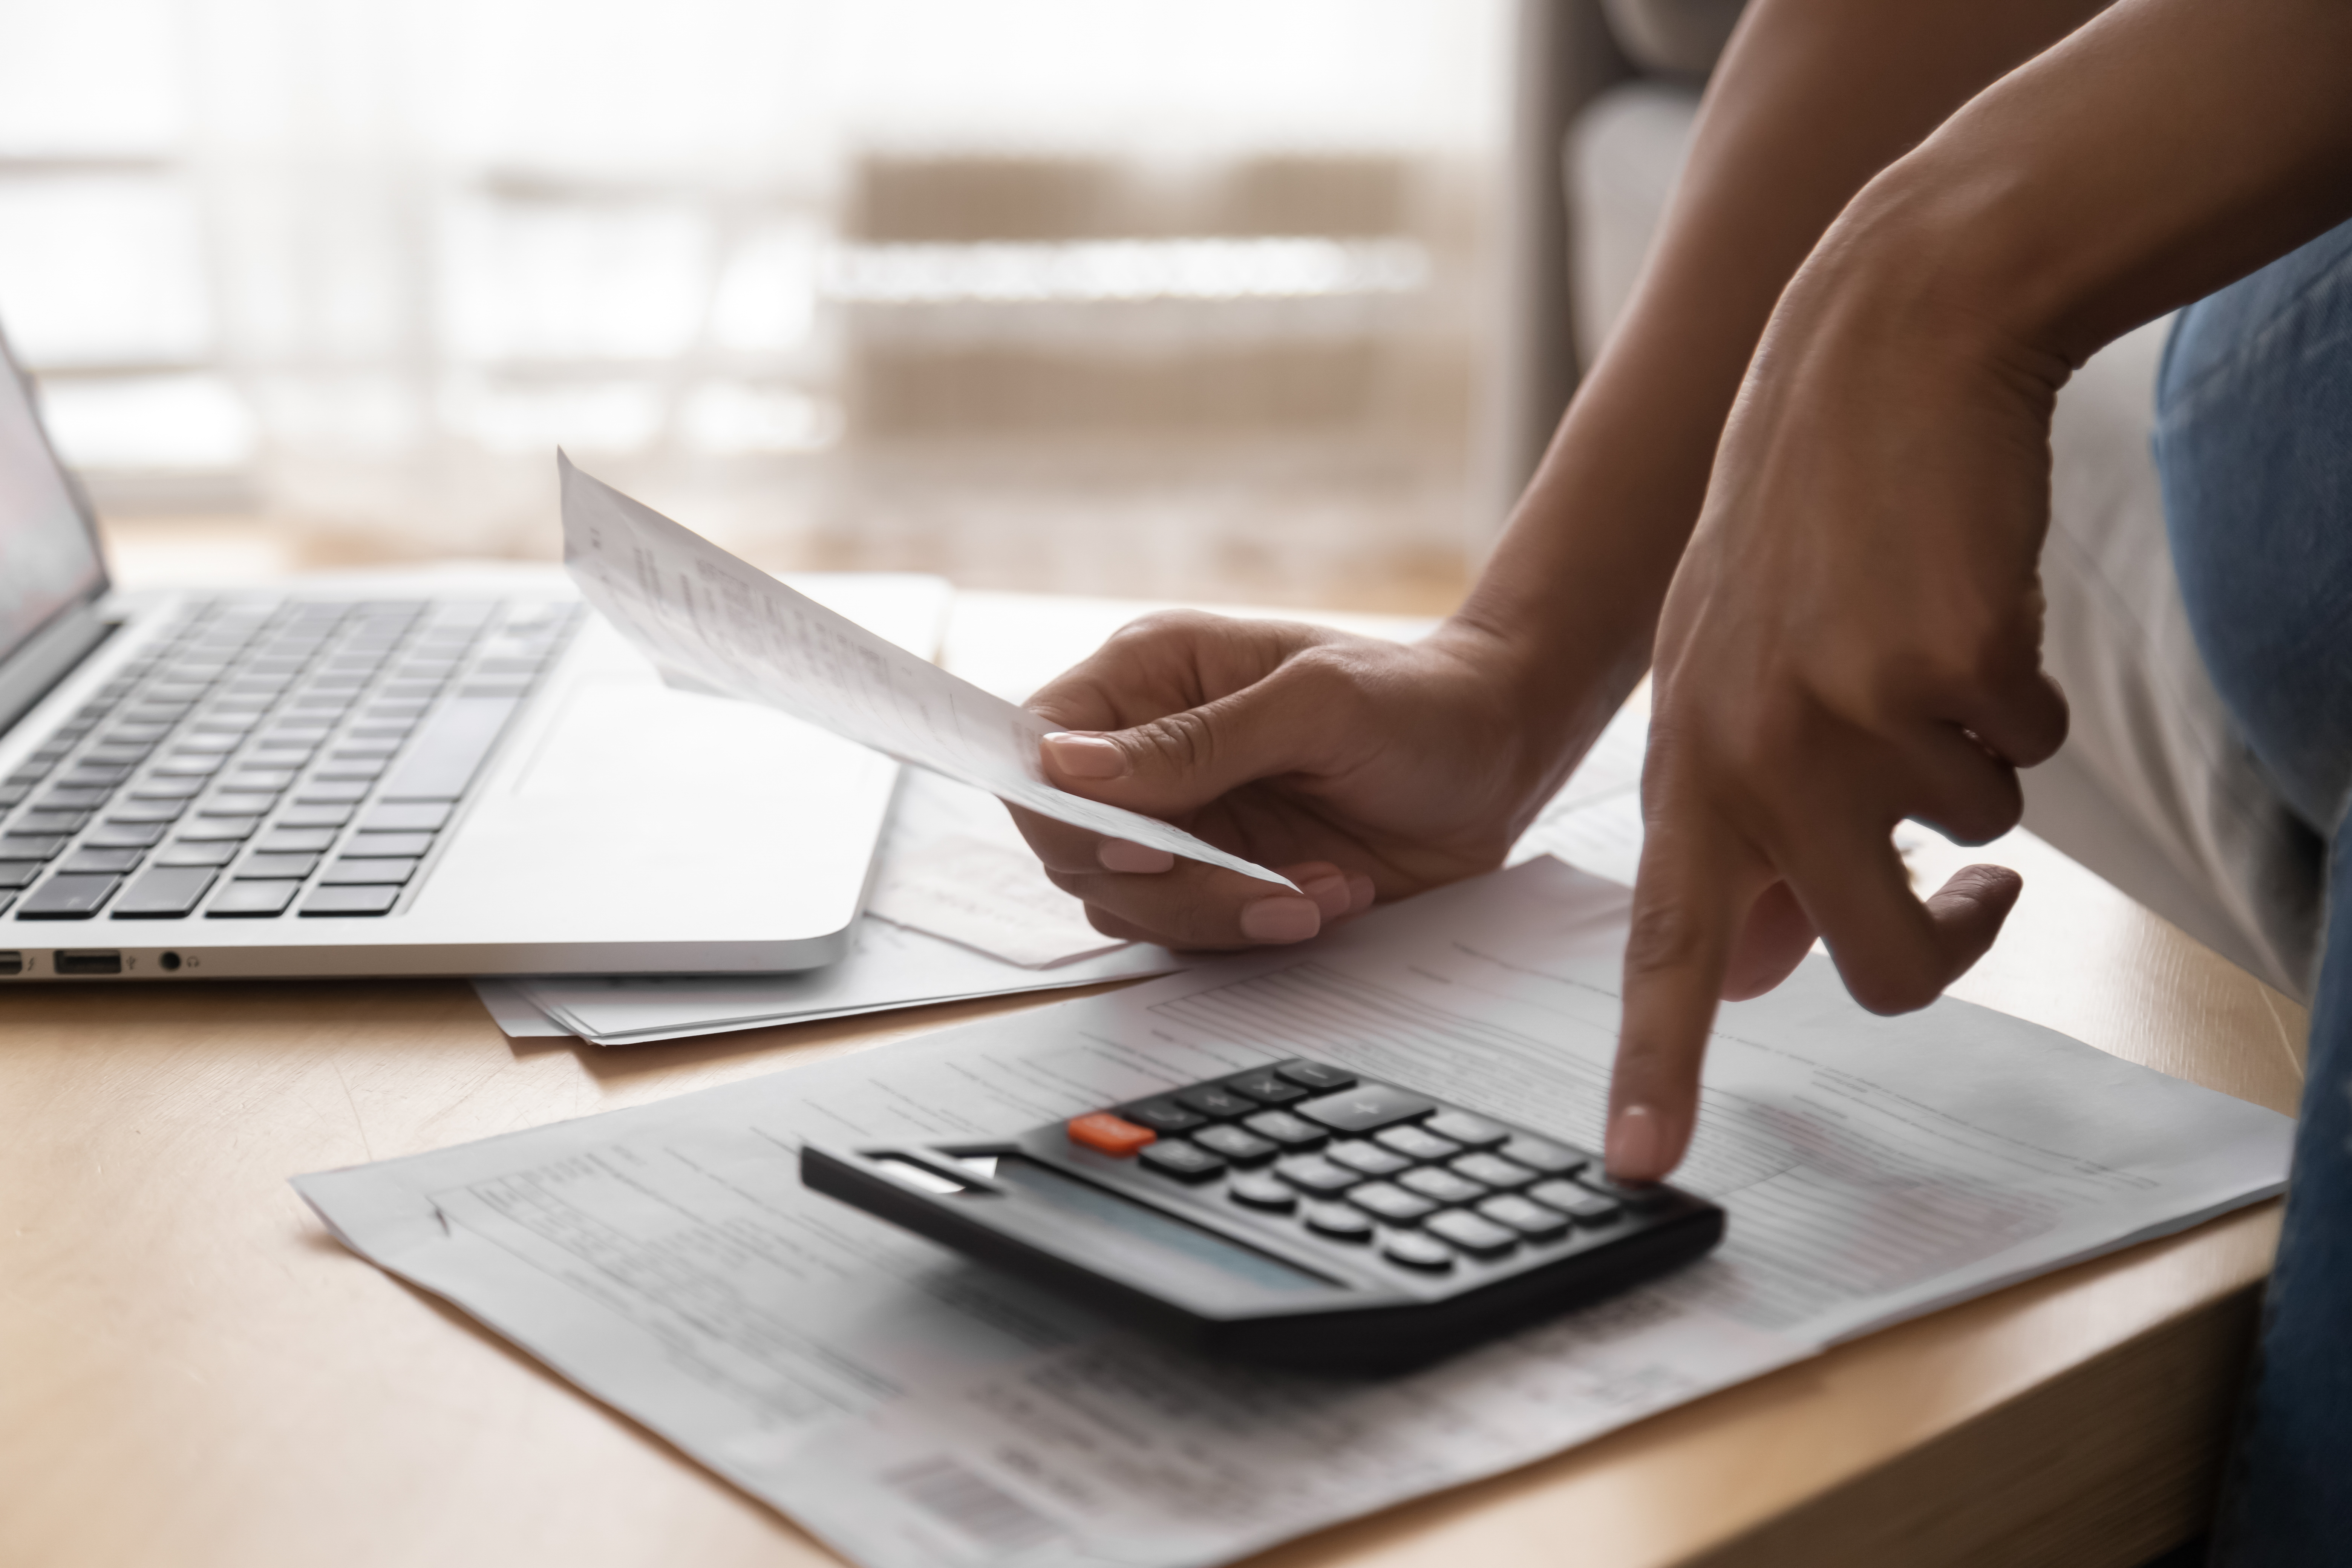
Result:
[[2254, 444]]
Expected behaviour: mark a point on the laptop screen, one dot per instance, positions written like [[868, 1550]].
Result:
[[48, 557]]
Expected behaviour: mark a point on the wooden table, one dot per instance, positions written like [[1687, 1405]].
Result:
[[193, 1374]]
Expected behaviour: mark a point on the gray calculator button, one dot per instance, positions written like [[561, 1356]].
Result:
[[1389, 1202], [1415, 1250], [1285, 1130], [1242, 1148], [1316, 1174], [1366, 1108], [1255, 1189], [1266, 1086], [1358, 1155], [1338, 1222], [1216, 1099], [1161, 1114], [1470, 1131], [1583, 1208], [1537, 1154], [1638, 1197], [1531, 1220], [1494, 1169], [1185, 1162], [1314, 1075], [1443, 1186], [1478, 1237], [1417, 1143]]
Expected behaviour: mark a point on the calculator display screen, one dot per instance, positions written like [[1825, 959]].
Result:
[[1149, 1225]]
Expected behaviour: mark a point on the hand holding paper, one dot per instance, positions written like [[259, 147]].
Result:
[[720, 624]]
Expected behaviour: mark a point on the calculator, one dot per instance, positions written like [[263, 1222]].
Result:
[[1294, 1215]]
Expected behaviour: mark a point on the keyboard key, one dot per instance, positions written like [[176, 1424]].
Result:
[[1387, 1201], [1370, 1158], [354, 768], [163, 893], [1531, 1220], [1109, 1134], [1473, 1233], [1437, 1181], [1338, 1222], [101, 862], [1185, 1162], [1494, 1171], [1366, 1108], [147, 811], [1314, 1173], [1161, 1114], [248, 777], [1470, 1131], [1586, 1208], [1314, 1074], [219, 830], [167, 789], [63, 897], [20, 873], [449, 749], [267, 866], [1242, 1148], [1417, 1143], [239, 803], [1415, 1250], [75, 798], [1257, 1190], [117, 756], [31, 846], [314, 816], [12, 793], [386, 844], [338, 791], [125, 836], [1540, 1154], [1216, 1101], [414, 817], [1266, 1086], [93, 775], [215, 854], [300, 840], [347, 901], [50, 822], [252, 901], [184, 765], [1286, 1129]]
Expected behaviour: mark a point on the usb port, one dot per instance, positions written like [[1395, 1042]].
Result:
[[88, 963], [11, 963]]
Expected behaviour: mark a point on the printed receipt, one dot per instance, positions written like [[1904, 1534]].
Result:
[[716, 624], [916, 1409]]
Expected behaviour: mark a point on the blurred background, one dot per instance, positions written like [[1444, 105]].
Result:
[[1193, 301]]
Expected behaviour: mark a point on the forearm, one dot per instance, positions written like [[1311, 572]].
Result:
[[1811, 100]]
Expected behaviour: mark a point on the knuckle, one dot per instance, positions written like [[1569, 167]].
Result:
[[1904, 988], [1181, 742], [1662, 937]]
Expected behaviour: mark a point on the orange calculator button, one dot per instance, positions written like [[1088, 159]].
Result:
[[1106, 1133]]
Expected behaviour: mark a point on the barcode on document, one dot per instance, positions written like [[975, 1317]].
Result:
[[970, 1505]]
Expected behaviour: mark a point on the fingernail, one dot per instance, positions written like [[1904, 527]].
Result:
[[1329, 893], [1637, 1145], [1086, 756], [1119, 855], [1281, 919]]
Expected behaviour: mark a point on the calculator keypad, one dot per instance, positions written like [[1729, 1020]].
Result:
[[1364, 1164]]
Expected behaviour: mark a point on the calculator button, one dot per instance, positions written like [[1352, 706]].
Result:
[[1478, 1237], [1583, 1208], [1438, 1183], [1185, 1162], [1638, 1196], [1537, 1154], [1417, 1143], [1415, 1250], [1372, 1160], [1242, 1148], [1314, 1074], [1494, 1169], [1110, 1134], [1214, 1099], [1392, 1203], [1338, 1222], [1470, 1131], [1316, 1174], [1285, 1130], [1255, 1189], [1366, 1107], [1531, 1220], [1162, 1115], [1266, 1086]]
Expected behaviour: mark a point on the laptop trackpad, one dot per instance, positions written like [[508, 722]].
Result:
[[625, 740]]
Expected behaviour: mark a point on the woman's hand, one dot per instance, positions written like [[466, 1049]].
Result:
[[1359, 768]]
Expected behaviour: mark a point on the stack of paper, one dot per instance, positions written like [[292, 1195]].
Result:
[[914, 1408]]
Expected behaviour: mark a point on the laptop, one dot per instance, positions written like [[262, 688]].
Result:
[[432, 775]]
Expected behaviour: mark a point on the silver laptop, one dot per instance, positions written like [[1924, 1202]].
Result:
[[395, 778]]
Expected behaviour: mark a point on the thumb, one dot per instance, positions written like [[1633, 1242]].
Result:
[[1184, 760]]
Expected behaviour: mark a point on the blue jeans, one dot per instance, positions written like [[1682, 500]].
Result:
[[2253, 442]]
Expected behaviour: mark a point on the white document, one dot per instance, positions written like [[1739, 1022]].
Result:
[[716, 624], [914, 1409]]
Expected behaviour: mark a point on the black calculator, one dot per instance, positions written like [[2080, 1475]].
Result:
[[1294, 1215]]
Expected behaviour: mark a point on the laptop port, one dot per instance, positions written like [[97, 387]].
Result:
[[88, 963], [11, 963]]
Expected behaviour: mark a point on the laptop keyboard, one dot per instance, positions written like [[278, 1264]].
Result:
[[266, 759]]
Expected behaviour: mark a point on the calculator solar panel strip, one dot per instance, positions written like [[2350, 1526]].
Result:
[[1291, 1215]]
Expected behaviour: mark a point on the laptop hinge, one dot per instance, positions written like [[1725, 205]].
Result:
[[49, 656]]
